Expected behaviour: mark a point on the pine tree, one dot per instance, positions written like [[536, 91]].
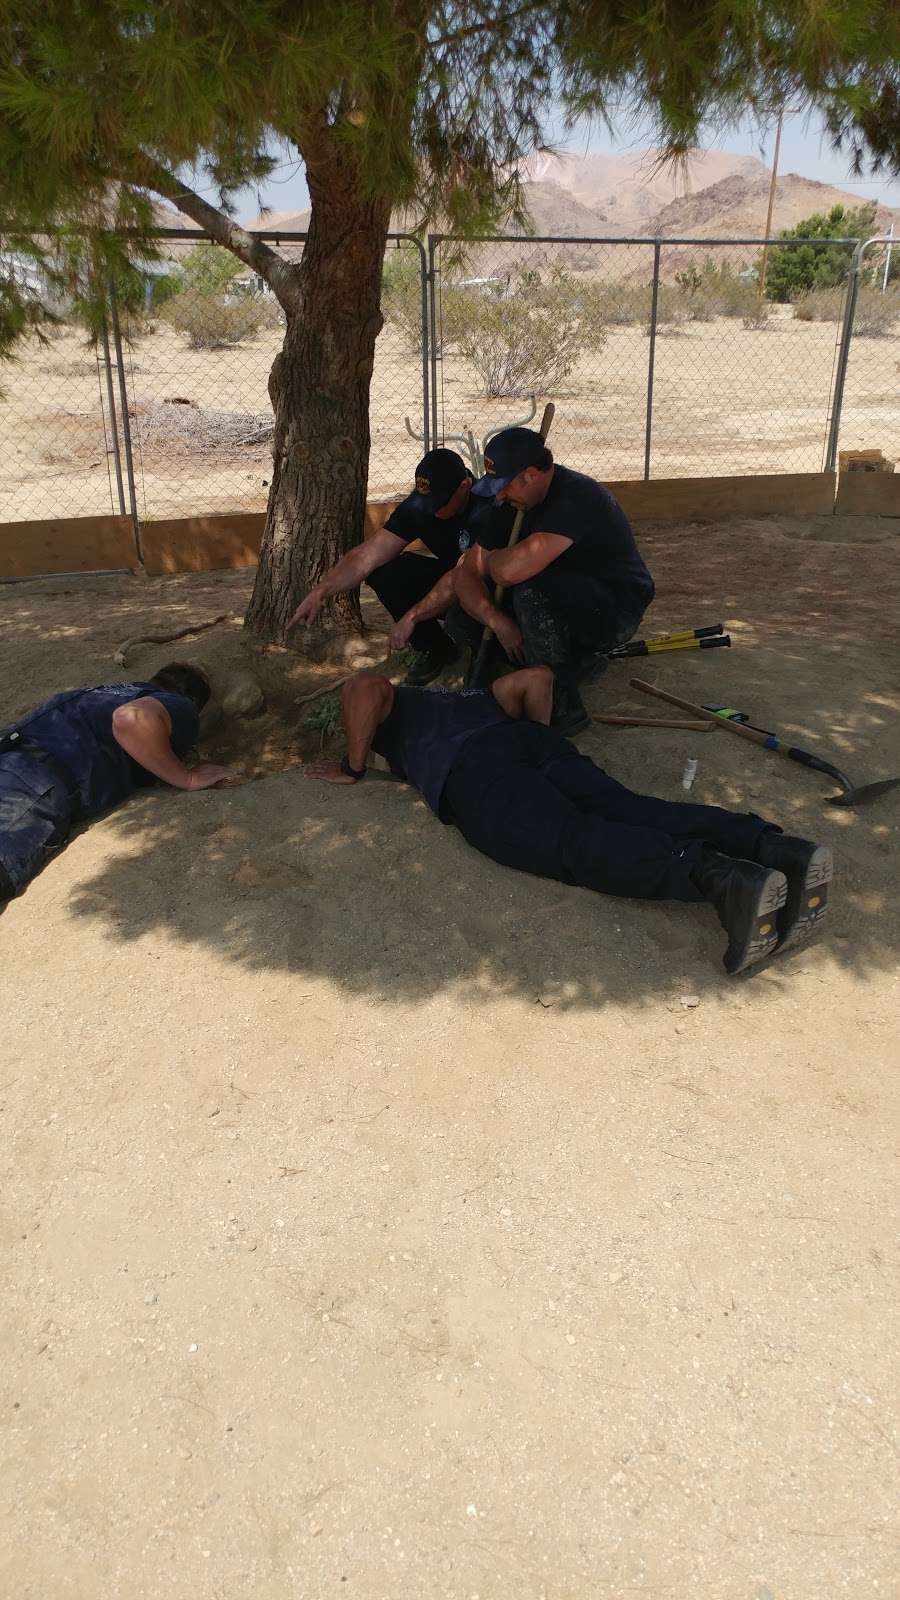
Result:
[[105, 104], [796, 269]]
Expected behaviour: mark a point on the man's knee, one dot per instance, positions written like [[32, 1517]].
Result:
[[369, 689]]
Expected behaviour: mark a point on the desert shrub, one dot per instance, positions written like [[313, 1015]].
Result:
[[819, 305], [876, 313], [209, 269], [165, 288], [758, 318], [524, 335], [270, 313], [209, 321], [671, 310], [715, 291], [401, 297]]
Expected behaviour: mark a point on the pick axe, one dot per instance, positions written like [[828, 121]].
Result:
[[480, 661]]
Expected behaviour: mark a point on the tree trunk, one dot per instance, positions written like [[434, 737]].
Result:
[[319, 387]]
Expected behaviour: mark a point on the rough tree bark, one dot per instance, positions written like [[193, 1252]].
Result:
[[319, 388]]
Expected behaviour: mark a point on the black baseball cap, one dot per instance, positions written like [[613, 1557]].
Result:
[[438, 476], [508, 454]]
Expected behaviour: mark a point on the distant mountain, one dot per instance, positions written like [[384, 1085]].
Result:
[[271, 221], [736, 207], [712, 194], [631, 189]]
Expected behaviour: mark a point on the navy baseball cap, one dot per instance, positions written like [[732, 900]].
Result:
[[508, 454], [438, 476]]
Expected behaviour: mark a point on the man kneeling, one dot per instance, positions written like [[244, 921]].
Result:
[[82, 752], [522, 794]]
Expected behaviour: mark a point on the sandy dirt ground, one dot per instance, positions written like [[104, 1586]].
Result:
[[726, 400], [381, 1222]]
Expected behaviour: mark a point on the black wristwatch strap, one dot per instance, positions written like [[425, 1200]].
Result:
[[351, 772]]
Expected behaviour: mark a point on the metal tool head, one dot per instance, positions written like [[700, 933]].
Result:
[[864, 794]]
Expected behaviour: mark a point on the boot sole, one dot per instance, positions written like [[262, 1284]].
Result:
[[813, 902], [763, 936]]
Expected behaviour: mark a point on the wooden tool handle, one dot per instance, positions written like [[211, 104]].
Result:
[[654, 722], [480, 661], [755, 735], [544, 429]]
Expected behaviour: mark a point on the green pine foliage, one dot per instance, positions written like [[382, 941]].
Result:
[[796, 270], [105, 105]]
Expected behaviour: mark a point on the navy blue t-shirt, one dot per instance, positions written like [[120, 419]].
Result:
[[446, 537], [77, 729], [603, 546], [427, 728]]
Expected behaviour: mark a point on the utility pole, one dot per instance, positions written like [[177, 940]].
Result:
[[765, 256]]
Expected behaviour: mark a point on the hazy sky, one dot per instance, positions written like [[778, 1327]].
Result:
[[805, 149]]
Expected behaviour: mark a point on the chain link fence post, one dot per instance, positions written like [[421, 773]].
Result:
[[857, 322], [840, 376], [651, 359], [426, 347], [113, 420], [126, 422], [434, 240]]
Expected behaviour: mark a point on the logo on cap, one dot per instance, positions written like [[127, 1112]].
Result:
[[489, 466], [423, 485]]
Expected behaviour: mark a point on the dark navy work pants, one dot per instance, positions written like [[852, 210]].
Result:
[[528, 798], [566, 619], [37, 810], [402, 583]]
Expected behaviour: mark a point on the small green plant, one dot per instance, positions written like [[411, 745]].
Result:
[[324, 718]]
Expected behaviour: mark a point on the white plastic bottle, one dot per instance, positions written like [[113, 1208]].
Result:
[[689, 774]]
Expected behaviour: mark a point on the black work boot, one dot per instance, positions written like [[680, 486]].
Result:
[[569, 712], [426, 665], [747, 898], [808, 868]]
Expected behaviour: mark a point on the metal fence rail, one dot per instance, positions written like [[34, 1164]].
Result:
[[660, 355]]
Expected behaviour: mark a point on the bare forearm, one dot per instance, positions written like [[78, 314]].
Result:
[[437, 601], [349, 572], [472, 594]]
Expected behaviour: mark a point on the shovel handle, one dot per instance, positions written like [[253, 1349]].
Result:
[[755, 735]]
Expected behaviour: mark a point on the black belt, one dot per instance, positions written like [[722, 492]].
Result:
[[11, 742]]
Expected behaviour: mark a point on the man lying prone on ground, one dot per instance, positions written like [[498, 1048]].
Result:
[[486, 760], [82, 752]]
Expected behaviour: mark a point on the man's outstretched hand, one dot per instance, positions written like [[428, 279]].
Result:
[[328, 771], [401, 633], [207, 775], [307, 611]]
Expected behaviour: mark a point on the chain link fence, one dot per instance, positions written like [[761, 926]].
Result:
[[169, 416], [660, 354], [867, 404]]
